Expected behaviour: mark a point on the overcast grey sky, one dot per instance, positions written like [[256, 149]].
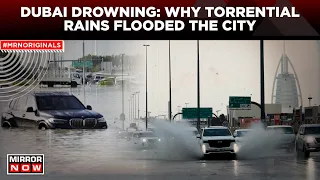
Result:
[[228, 68]]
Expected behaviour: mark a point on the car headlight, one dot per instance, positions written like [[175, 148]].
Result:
[[101, 120], [159, 139], [144, 140], [57, 121], [235, 148], [204, 149], [310, 139]]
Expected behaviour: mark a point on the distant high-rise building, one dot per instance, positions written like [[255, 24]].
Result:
[[286, 87]]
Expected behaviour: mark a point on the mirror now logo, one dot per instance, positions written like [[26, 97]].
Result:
[[25, 164]]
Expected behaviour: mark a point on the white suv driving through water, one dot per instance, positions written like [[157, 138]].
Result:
[[217, 139], [308, 139]]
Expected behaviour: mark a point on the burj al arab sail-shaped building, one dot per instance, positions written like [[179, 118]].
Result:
[[286, 87]]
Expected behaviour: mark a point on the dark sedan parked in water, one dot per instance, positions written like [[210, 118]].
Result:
[[51, 110]]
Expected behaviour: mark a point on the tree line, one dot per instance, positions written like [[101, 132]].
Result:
[[116, 60]]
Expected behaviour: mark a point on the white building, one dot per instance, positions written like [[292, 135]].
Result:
[[286, 87]]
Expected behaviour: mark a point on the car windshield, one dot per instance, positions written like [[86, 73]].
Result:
[[312, 130], [285, 130], [216, 132], [58, 103], [144, 135], [242, 133]]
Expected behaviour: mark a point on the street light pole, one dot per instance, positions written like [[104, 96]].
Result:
[[170, 100], [132, 112], [198, 84], [129, 100], [263, 115], [146, 45], [134, 105], [122, 116], [138, 105], [178, 107], [83, 73]]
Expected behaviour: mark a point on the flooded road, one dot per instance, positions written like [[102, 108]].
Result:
[[97, 154]]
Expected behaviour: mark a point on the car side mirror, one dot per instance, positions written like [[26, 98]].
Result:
[[301, 133], [198, 136], [89, 107], [30, 109]]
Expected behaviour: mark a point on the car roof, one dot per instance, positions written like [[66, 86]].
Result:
[[144, 132], [243, 130], [216, 127], [43, 94], [279, 126]]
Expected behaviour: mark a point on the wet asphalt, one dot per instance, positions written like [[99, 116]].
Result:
[[96, 154]]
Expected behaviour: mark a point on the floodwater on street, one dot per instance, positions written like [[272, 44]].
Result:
[[98, 154]]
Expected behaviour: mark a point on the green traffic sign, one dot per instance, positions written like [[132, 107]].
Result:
[[239, 102], [79, 64], [192, 113]]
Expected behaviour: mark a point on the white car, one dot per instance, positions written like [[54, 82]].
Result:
[[217, 139], [239, 134], [285, 136], [308, 139], [145, 139]]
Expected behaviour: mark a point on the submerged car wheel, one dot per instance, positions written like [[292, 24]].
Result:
[[204, 157], [6, 124], [234, 156], [43, 127], [306, 154]]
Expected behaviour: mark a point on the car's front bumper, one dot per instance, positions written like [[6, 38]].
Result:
[[313, 147], [206, 149]]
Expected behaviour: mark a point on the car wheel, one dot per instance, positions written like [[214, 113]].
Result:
[[234, 157], [306, 153], [43, 127], [6, 124], [204, 157]]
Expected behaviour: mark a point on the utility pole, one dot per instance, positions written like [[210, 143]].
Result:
[[170, 99], [138, 105], [263, 115], [83, 73], [146, 45], [122, 116], [134, 105], [95, 47], [129, 100], [198, 85]]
